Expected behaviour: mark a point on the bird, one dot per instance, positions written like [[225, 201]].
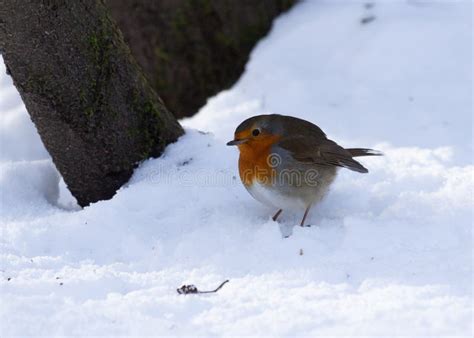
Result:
[[289, 163]]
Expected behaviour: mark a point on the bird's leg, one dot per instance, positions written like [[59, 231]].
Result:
[[304, 216], [274, 218]]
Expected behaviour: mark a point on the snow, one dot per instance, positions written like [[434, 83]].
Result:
[[389, 252]]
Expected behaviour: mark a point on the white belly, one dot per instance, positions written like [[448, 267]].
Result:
[[271, 197]]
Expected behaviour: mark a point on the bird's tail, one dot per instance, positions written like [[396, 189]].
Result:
[[356, 152]]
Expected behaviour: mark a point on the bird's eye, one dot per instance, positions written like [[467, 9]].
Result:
[[256, 132]]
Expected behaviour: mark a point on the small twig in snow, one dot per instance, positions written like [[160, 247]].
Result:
[[367, 19], [187, 289]]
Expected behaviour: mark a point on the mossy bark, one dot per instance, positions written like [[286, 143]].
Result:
[[192, 49], [93, 108]]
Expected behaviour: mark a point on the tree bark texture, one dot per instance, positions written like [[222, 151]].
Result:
[[192, 49], [93, 108]]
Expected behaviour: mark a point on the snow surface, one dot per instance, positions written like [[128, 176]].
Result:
[[390, 252]]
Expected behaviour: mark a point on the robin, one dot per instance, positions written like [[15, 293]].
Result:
[[289, 163]]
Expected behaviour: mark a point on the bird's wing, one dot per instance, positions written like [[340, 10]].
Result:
[[317, 149]]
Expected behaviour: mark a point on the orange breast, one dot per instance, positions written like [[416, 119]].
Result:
[[254, 160]]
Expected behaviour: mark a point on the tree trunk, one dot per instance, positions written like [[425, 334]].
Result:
[[192, 49], [95, 112]]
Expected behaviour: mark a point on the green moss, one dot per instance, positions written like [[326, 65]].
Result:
[[224, 39], [161, 59], [148, 146], [89, 112], [150, 115], [82, 96], [179, 20], [206, 6], [161, 55], [94, 45], [100, 49]]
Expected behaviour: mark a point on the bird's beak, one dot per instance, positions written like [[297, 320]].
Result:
[[237, 142]]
